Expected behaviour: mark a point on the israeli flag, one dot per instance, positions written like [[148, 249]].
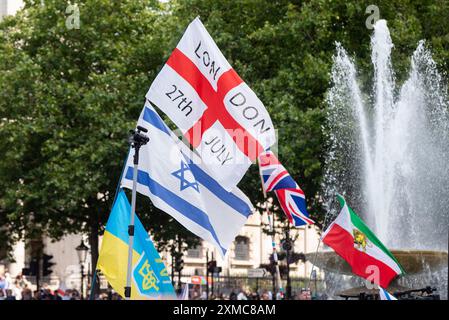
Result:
[[172, 176]]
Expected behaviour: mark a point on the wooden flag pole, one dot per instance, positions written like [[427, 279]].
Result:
[[273, 243]]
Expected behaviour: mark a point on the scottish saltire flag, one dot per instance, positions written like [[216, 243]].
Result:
[[385, 295], [217, 112], [150, 279], [291, 197], [172, 176]]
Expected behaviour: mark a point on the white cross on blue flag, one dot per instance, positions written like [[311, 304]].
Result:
[[175, 181]]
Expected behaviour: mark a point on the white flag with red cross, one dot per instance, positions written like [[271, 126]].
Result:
[[216, 111]]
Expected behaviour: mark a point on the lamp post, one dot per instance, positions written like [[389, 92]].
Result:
[[82, 250], [288, 246]]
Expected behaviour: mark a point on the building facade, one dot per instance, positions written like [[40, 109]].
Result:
[[250, 249], [8, 7]]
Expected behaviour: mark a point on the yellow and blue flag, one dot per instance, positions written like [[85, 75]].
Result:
[[150, 279]]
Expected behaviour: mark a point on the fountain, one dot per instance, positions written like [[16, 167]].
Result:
[[389, 156]]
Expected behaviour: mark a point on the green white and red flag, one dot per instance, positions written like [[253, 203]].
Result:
[[350, 238]]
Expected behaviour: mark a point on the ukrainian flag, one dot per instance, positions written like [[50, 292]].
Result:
[[150, 279]]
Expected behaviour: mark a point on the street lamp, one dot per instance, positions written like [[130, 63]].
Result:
[[82, 250]]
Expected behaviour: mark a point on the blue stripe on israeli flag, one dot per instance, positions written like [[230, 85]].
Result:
[[176, 202]]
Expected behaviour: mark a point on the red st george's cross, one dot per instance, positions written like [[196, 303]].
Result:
[[214, 100]]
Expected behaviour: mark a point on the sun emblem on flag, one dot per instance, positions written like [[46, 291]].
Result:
[[360, 239], [186, 177]]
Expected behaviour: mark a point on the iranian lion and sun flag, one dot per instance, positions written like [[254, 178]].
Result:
[[350, 238]]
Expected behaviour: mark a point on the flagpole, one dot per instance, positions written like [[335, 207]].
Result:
[[316, 253], [137, 139], [313, 264], [94, 278], [273, 243]]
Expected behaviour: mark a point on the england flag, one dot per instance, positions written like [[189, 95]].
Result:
[[291, 197], [175, 181], [217, 112]]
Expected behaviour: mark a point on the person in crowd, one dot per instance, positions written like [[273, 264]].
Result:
[[67, 295], [242, 295], [9, 295], [265, 296], [17, 290], [58, 294], [223, 297], [232, 295], [280, 296], [76, 295], [37, 295], [305, 294], [27, 294]]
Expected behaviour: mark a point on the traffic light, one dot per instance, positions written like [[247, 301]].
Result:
[[211, 265], [32, 269], [179, 265], [287, 245], [47, 264]]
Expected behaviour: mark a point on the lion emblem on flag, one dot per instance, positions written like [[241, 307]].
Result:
[[360, 239]]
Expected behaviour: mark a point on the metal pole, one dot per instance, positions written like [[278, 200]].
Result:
[[38, 273], [207, 275], [82, 281], [92, 288], [275, 255], [179, 258], [273, 243], [131, 227], [289, 285], [137, 140], [212, 277], [313, 264]]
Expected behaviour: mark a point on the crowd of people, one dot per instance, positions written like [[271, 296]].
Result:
[[19, 288], [248, 294]]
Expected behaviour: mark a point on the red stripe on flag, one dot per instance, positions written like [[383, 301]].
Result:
[[281, 197], [216, 110], [300, 215], [279, 177], [343, 244]]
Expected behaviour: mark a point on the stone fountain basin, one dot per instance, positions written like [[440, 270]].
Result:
[[412, 261]]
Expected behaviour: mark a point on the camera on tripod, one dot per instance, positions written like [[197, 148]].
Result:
[[137, 138]]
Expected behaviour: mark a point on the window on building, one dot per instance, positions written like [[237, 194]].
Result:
[[196, 252], [199, 271], [241, 248]]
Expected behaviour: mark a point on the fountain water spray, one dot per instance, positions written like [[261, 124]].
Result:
[[389, 150]]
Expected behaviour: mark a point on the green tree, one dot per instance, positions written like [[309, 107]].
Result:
[[68, 99]]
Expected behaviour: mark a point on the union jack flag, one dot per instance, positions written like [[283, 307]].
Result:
[[291, 197]]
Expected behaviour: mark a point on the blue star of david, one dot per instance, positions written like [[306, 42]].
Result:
[[184, 183]]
